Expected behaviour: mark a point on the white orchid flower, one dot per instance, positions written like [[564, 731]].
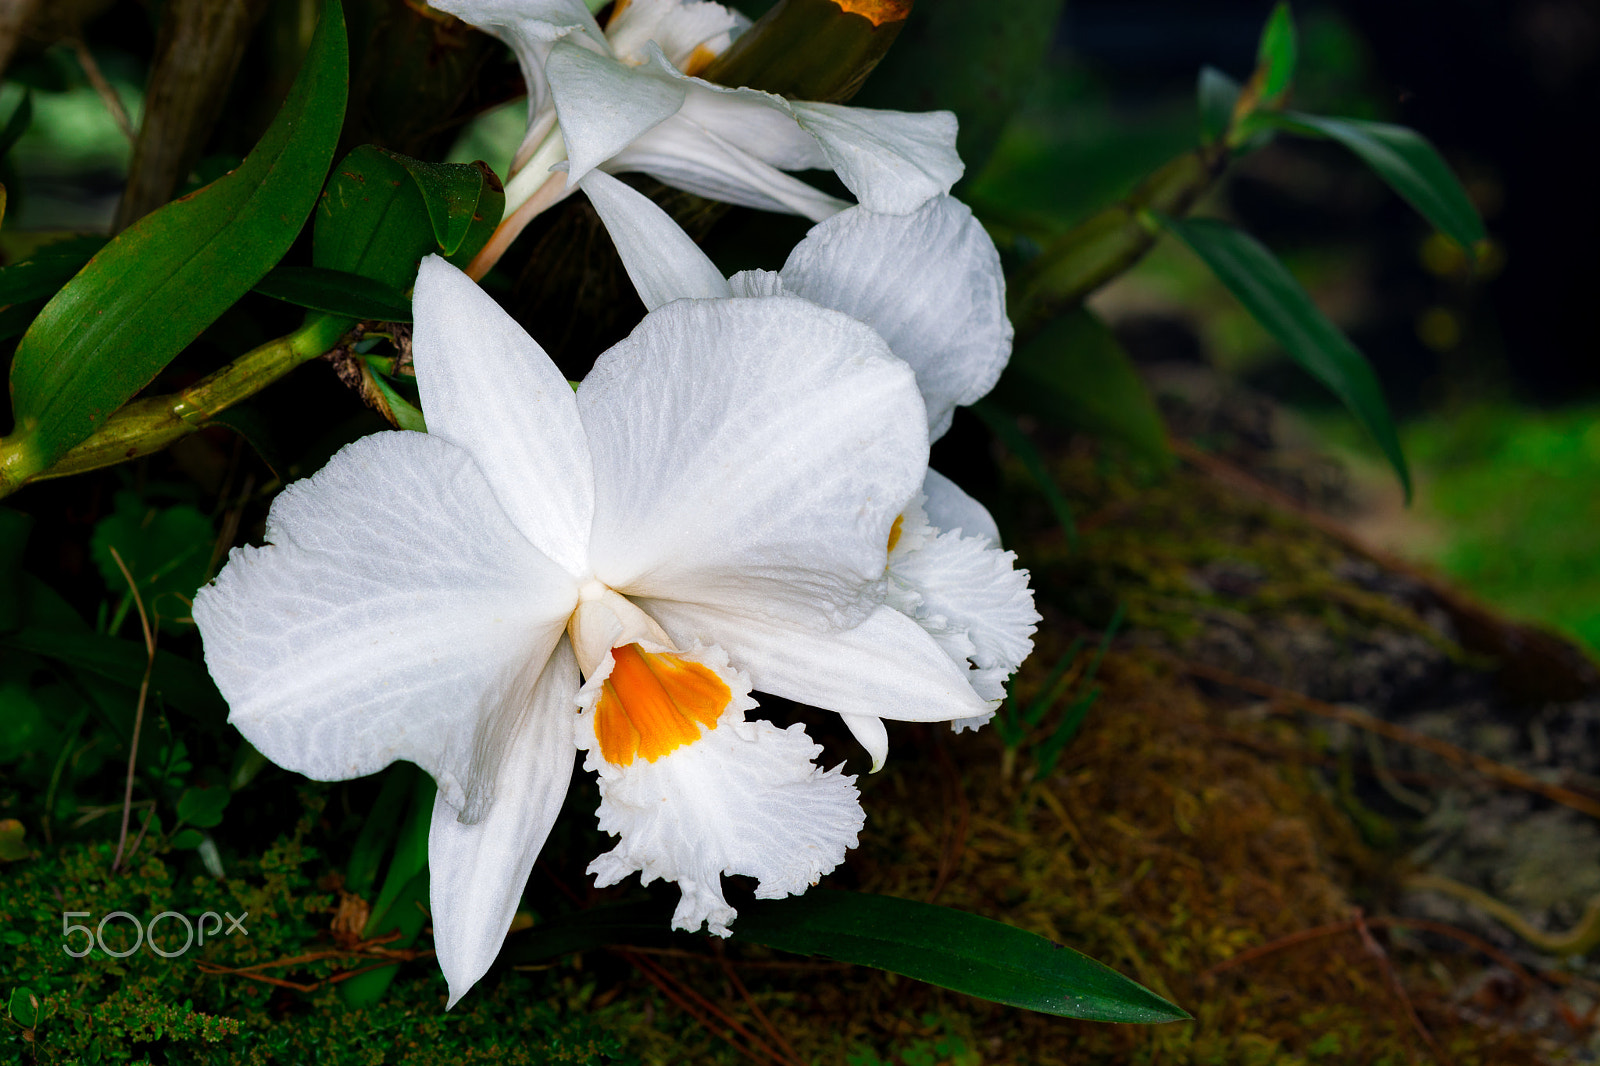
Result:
[[625, 99], [930, 283], [711, 511]]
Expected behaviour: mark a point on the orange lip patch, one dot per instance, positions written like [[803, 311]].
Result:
[[650, 704]]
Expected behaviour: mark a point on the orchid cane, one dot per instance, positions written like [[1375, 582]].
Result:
[[710, 512], [624, 99]]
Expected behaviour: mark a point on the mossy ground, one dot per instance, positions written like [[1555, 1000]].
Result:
[[1177, 831]]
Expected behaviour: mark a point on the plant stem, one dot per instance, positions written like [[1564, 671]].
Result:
[[148, 425]]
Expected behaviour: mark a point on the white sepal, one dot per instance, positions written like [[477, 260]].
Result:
[[488, 387], [389, 617], [929, 282], [477, 871], [870, 733], [661, 260], [605, 105]]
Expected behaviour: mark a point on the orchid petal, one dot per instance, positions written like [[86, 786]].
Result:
[[950, 508], [751, 454], [388, 618], [966, 587], [477, 872], [887, 666], [604, 105], [893, 161], [690, 157], [489, 388], [530, 28], [681, 28], [662, 262], [870, 733], [745, 799], [929, 282]]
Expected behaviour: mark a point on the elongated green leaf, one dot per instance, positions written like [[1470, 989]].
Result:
[[1271, 294], [164, 279], [176, 680], [1403, 158], [1075, 374], [378, 832], [405, 893], [1277, 53], [944, 947], [337, 292], [1003, 424], [382, 212], [46, 270]]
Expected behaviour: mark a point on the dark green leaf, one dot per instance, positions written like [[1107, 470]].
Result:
[[400, 906], [23, 1006], [1003, 424], [382, 212], [14, 529], [944, 947], [1277, 53], [166, 549], [378, 832], [188, 839], [21, 118], [203, 807], [1271, 294], [1075, 374], [1217, 94], [153, 289], [1403, 158], [337, 292], [46, 270], [460, 198], [53, 630]]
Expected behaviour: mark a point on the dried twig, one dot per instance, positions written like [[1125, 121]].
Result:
[[107, 93], [138, 714]]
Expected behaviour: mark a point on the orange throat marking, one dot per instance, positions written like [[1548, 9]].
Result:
[[653, 704]]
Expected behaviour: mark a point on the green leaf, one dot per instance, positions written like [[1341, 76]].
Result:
[[378, 832], [944, 947], [46, 270], [53, 630], [1003, 424], [1277, 53], [1271, 294], [1217, 93], [203, 807], [153, 289], [405, 893], [1403, 158], [337, 292], [23, 1006], [166, 549], [188, 839], [382, 212], [1074, 373]]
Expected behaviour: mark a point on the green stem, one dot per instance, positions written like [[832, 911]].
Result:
[[1109, 241], [148, 425]]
